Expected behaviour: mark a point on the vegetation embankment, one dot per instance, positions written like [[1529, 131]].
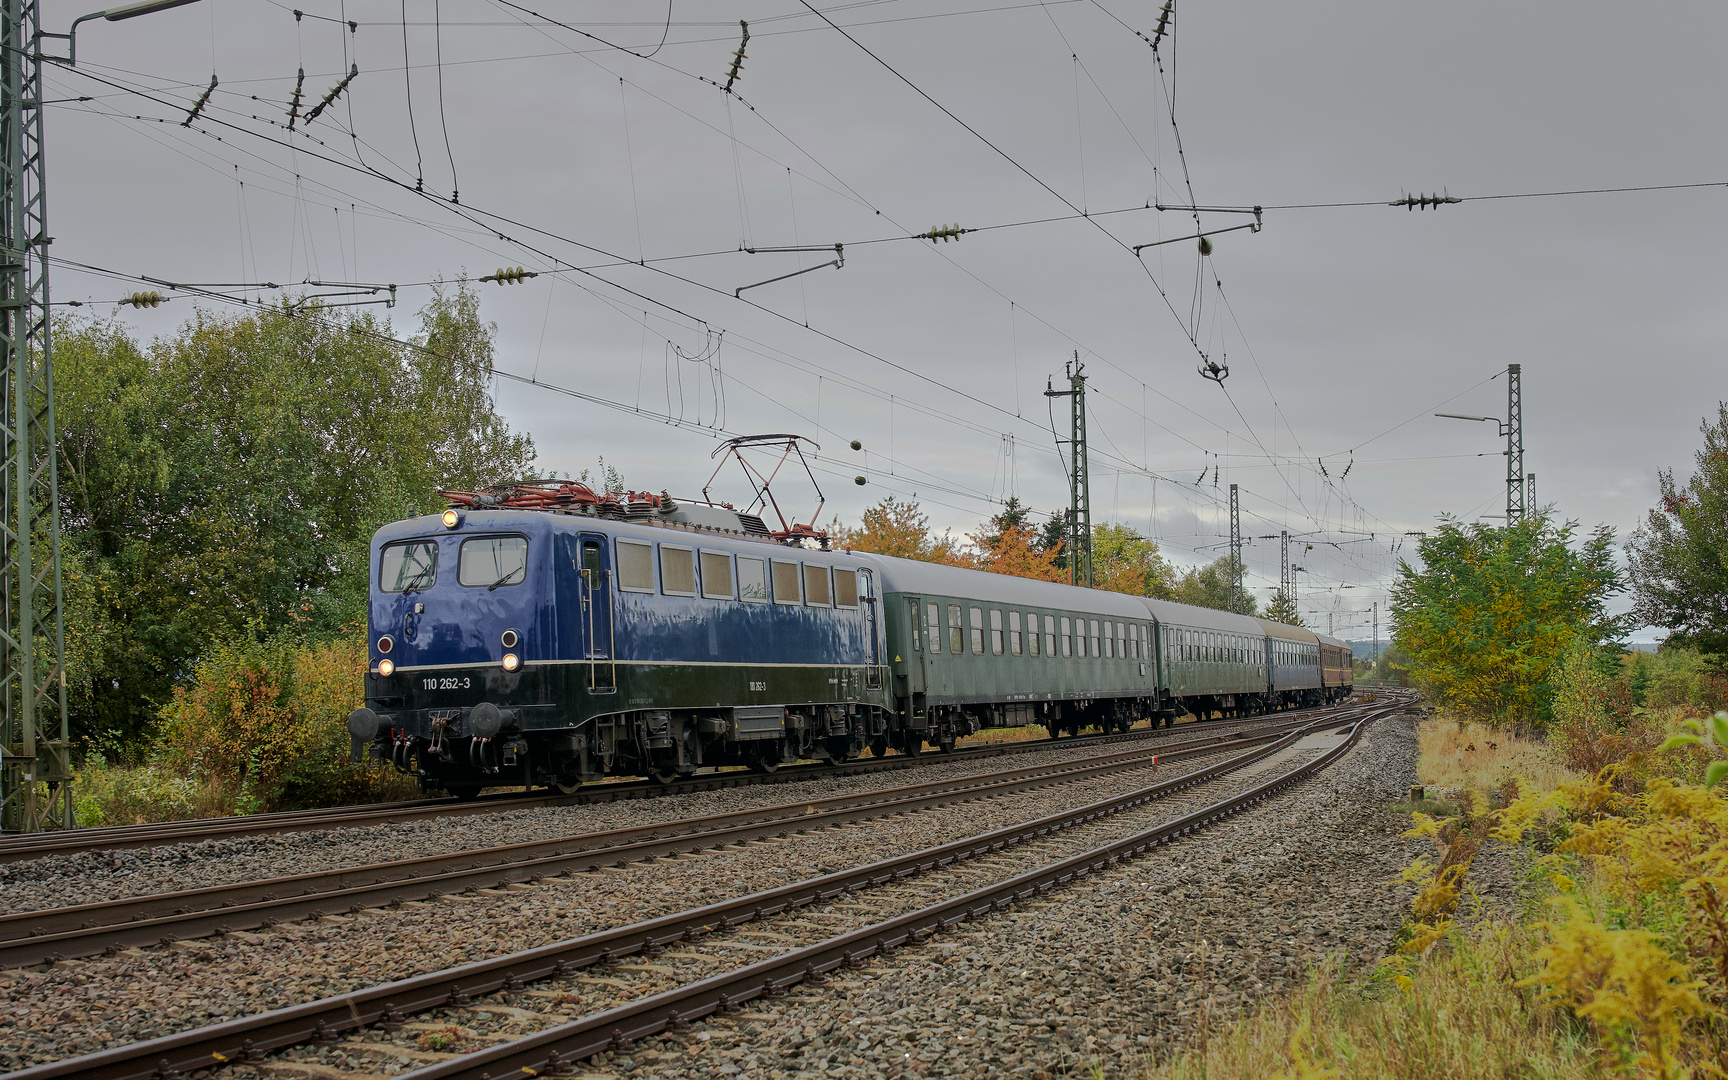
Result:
[[219, 489], [1601, 769]]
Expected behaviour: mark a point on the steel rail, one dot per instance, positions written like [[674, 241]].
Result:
[[557, 1049], [19, 847], [245, 1040], [50, 934]]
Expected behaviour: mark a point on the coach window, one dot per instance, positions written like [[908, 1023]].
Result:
[[935, 626], [1067, 640], [1122, 641], [1095, 641], [1016, 643], [816, 591], [785, 582], [1080, 637], [716, 575], [677, 571], [413, 565], [996, 631], [1049, 635], [978, 631], [752, 580], [845, 588], [956, 632], [635, 566], [1109, 643]]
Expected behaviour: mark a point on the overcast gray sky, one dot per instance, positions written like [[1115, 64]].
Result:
[[1344, 328]]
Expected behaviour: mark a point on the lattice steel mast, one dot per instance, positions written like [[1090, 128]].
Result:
[[1515, 502], [1079, 482], [36, 775]]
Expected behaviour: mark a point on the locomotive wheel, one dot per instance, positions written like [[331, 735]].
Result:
[[879, 746], [662, 774], [949, 739], [768, 760], [913, 746], [565, 787]]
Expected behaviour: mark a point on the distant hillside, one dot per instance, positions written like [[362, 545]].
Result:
[[1364, 650]]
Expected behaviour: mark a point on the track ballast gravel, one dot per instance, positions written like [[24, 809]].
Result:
[[92, 876], [1107, 972], [78, 1007]]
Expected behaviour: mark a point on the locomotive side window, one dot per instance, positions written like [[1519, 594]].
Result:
[[995, 631], [493, 561], [846, 589], [1049, 635], [677, 571], [413, 565], [635, 566], [1016, 642], [978, 631], [786, 582], [1067, 640], [816, 592], [716, 575], [752, 580], [956, 633]]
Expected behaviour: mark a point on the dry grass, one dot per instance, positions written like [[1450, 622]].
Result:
[[1462, 1019], [1463, 755]]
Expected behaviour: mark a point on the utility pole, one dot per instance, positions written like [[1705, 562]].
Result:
[[1514, 444], [1079, 483], [1530, 492], [1329, 631], [1235, 552], [1376, 646], [33, 730]]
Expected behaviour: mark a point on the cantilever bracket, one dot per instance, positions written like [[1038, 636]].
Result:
[[837, 262]]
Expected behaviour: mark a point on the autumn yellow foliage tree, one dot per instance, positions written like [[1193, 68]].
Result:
[[901, 529]]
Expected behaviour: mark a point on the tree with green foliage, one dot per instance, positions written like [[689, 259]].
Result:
[[1214, 586], [1124, 561], [1283, 609], [1678, 560], [225, 481], [1489, 613]]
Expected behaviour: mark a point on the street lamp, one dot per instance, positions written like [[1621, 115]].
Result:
[[114, 14], [1495, 420]]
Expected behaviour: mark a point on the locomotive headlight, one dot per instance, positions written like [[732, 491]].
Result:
[[386, 668], [452, 519], [512, 661]]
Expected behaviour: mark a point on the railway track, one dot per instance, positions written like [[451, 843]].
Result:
[[1051, 851], [17, 848], [53, 934]]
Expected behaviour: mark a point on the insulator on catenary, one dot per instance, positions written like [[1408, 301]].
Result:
[[144, 299], [1163, 22], [1413, 202], [943, 233], [510, 275], [203, 100], [335, 92], [294, 102], [737, 58]]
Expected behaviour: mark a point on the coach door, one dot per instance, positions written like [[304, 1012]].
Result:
[[872, 631], [596, 591]]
